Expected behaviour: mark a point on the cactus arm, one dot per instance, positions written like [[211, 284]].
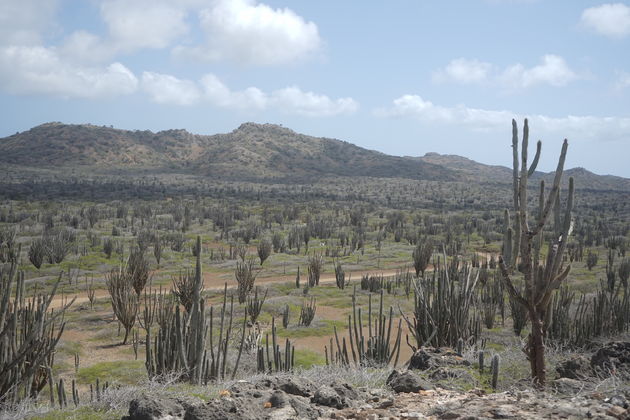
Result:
[[532, 167], [515, 163], [509, 285], [554, 191]]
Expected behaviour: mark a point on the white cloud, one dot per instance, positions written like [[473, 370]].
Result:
[[465, 71], [611, 19], [310, 104], [39, 70], [553, 70], [582, 127], [249, 33], [167, 89], [82, 46], [144, 23], [220, 95], [21, 21]]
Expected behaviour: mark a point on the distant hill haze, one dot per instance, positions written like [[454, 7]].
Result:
[[251, 152]]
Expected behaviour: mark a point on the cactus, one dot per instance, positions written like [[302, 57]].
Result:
[[124, 300], [254, 304], [183, 288], [376, 347], [285, 316], [494, 368], [460, 346], [444, 309], [315, 264], [29, 333], [522, 247], [180, 343], [245, 278], [281, 362], [264, 250], [421, 257], [340, 275], [307, 314]]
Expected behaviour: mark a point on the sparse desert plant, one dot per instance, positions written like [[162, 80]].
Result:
[[315, 265], [108, 247], [58, 243], [421, 257], [124, 299], [184, 288], [264, 250], [254, 304], [138, 269], [307, 313], [591, 259], [37, 252], [157, 249], [245, 276], [340, 275]]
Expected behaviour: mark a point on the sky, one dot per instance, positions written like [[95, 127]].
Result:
[[401, 77]]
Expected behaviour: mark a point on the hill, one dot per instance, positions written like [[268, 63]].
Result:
[[252, 151], [480, 172], [259, 152]]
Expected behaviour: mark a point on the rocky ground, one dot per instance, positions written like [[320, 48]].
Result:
[[423, 390]]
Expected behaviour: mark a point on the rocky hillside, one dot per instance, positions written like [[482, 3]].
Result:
[[252, 151], [479, 172]]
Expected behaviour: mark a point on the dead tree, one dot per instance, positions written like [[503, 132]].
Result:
[[523, 243]]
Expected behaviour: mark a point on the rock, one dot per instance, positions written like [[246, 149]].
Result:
[[577, 367], [278, 399], [224, 409], [329, 397], [617, 412], [613, 357], [295, 386], [149, 408], [618, 400], [430, 357], [407, 382], [345, 390], [304, 409], [450, 374], [567, 386]]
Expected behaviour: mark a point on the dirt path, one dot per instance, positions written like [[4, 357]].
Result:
[[216, 281]]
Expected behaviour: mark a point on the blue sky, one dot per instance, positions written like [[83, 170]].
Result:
[[401, 77]]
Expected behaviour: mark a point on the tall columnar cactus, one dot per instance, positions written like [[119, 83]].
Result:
[[180, 344], [523, 243], [29, 333]]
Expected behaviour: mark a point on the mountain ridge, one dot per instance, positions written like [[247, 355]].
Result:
[[252, 151]]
